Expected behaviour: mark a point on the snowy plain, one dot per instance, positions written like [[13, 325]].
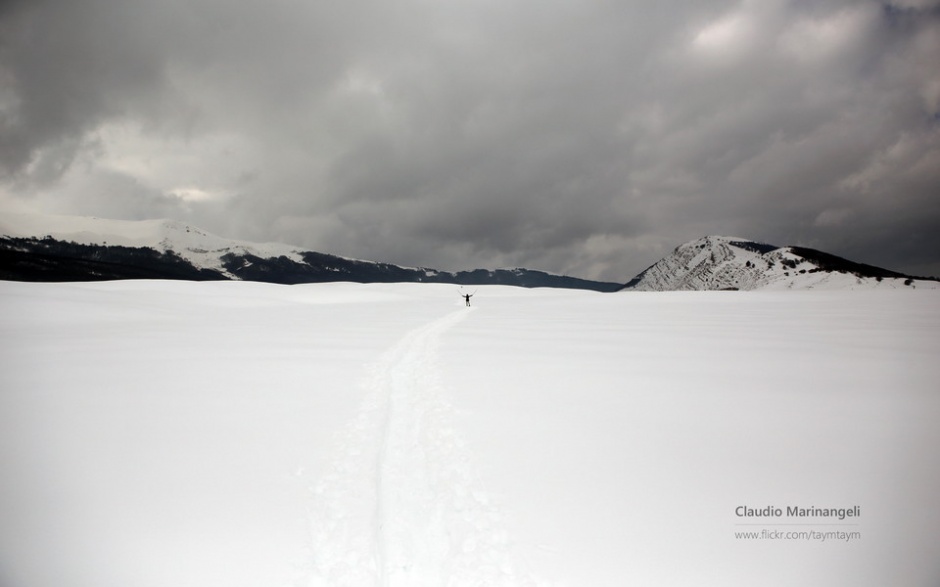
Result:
[[240, 434]]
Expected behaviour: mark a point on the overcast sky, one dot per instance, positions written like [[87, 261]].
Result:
[[585, 137]]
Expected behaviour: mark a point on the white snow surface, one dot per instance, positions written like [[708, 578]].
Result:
[[719, 262], [239, 434]]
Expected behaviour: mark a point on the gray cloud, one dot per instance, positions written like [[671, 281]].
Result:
[[586, 138]]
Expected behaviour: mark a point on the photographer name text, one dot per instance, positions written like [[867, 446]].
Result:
[[770, 511]]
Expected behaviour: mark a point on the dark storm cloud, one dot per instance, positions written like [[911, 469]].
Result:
[[586, 137], [68, 66]]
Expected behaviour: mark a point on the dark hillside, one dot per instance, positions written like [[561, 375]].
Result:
[[30, 259]]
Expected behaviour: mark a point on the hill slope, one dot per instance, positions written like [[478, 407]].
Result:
[[728, 263]]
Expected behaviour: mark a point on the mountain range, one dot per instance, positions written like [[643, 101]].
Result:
[[65, 248], [62, 248]]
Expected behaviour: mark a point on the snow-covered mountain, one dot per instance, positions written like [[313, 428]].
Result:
[[66, 248], [202, 249], [724, 263]]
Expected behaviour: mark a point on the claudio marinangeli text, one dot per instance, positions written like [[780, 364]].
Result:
[[770, 511]]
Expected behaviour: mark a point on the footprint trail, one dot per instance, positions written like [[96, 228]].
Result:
[[401, 505]]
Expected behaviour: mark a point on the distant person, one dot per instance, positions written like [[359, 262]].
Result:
[[467, 298]]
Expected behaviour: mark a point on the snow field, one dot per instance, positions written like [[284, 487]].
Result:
[[159, 433], [671, 409]]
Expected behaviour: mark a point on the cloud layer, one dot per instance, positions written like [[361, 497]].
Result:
[[585, 137]]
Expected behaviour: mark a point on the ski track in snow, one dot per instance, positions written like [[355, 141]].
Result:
[[401, 505]]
